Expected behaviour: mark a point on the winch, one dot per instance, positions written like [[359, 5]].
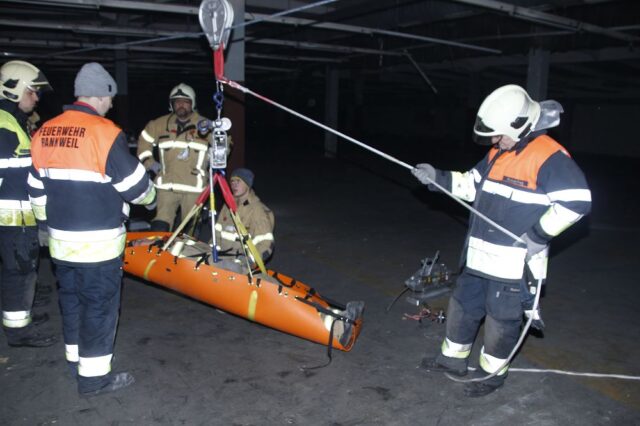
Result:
[[432, 280]]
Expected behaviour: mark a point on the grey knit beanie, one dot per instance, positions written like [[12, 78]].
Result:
[[94, 80], [245, 174]]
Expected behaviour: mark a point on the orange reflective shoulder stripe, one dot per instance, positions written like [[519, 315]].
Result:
[[74, 140], [522, 169]]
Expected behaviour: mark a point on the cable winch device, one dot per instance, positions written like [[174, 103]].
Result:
[[432, 280]]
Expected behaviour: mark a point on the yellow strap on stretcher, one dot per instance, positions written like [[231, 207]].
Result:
[[245, 239]]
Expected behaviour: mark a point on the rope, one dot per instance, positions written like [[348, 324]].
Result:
[[243, 89]]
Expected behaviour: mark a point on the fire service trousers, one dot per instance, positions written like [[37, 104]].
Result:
[[499, 303], [19, 252], [90, 302], [168, 203]]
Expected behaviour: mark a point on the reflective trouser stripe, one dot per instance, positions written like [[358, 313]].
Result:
[[71, 353], [16, 319], [95, 366], [455, 350], [491, 364]]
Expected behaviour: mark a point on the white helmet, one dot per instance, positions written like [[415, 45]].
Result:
[[16, 76], [509, 111], [182, 91]]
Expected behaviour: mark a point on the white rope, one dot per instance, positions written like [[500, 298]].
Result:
[[575, 373], [243, 89], [569, 373]]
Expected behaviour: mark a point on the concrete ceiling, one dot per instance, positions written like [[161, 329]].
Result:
[[396, 44]]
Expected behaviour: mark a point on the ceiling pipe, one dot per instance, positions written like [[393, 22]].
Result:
[[421, 72], [326, 47], [91, 29], [252, 18], [549, 19], [369, 31]]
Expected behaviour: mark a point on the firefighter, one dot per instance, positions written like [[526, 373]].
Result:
[[529, 184], [21, 85], [257, 218], [82, 181], [182, 169]]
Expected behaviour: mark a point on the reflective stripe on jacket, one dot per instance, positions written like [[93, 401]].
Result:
[[15, 161], [81, 182], [256, 217], [183, 155], [536, 188]]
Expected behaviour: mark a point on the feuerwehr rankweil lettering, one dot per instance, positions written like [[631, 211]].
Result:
[[62, 136]]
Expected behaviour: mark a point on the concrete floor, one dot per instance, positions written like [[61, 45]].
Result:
[[356, 229]]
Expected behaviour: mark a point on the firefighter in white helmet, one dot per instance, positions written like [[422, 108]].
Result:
[[181, 169], [529, 184], [21, 85]]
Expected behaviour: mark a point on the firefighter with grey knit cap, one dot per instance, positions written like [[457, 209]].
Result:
[[81, 183], [254, 214]]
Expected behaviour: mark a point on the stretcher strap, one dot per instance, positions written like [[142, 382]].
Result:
[[329, 350]]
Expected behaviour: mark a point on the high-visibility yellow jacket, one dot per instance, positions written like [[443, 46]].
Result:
[[15, 161]]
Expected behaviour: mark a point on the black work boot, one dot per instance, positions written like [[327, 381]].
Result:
[[445, 364], [116, 382], [29, 337], [354, 313], [485, 387]]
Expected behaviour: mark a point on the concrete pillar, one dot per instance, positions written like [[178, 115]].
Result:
[[234, 100], [121, 101], [332, 82], [538, 73]]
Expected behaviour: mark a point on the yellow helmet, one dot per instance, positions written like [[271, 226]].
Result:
[[16, 76], [182, 91]]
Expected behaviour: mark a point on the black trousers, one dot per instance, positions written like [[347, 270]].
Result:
[[90, 303], [499, 303], [19, 251]]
